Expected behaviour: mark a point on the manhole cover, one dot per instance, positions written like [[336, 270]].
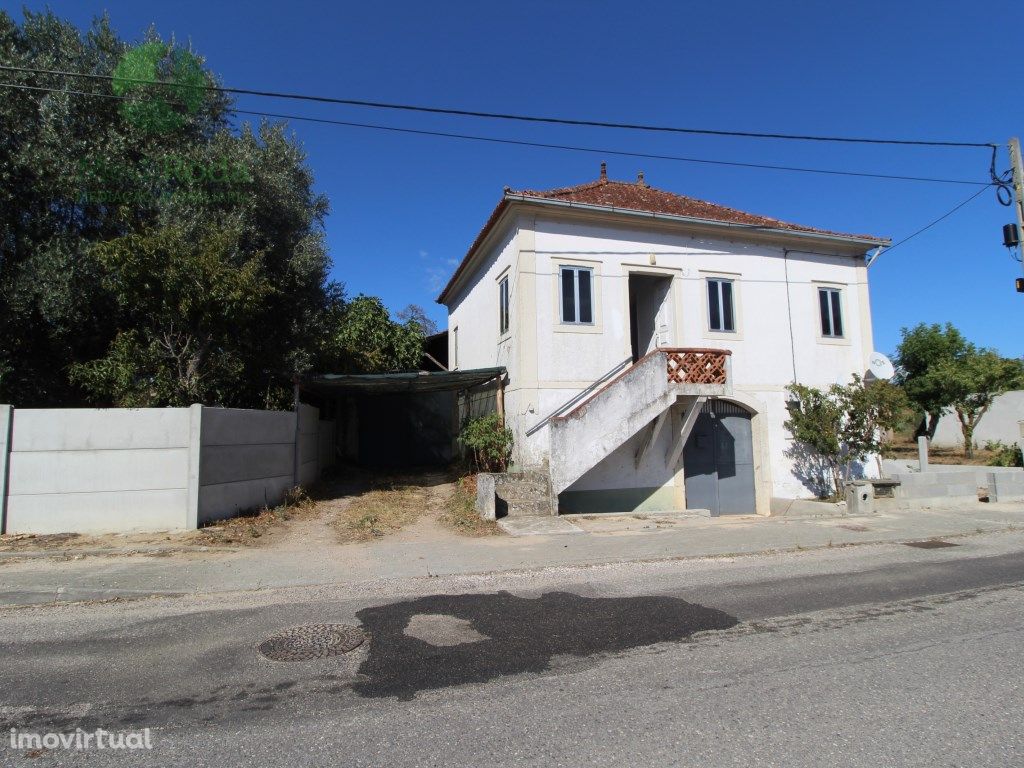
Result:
[[932, 544], [313, 641]]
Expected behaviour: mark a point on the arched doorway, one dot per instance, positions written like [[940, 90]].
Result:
[[718, 460]]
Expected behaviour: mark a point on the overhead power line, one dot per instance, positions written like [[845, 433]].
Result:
[[513, 116], [944, 216], [541, 145]]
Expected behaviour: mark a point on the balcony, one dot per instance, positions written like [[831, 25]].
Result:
[[698, 371]]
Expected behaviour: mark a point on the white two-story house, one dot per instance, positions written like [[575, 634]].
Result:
[[649, 339]]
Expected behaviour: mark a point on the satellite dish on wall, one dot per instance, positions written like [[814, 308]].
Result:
[[880, 367]]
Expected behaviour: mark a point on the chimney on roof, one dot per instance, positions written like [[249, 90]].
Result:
[[640, 179], [604, 171]]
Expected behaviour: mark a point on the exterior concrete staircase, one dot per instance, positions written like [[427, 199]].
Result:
[[639, 397]]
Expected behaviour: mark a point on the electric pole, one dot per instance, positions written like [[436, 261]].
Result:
[[1018, 185]]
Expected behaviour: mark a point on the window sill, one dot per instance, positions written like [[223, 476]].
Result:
[[723, 335], [578, 328], [835, 341]]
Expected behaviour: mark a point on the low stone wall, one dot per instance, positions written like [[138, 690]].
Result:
[[945, 486], [1006, 486]]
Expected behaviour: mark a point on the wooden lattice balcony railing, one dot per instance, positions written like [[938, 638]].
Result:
[[697, 366]]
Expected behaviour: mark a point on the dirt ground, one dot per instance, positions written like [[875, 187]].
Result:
[[358, 507], [904, 447]]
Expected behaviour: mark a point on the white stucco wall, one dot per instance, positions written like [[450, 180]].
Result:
[[474, 309], [777, 338], [1004, 421], [771, 287]]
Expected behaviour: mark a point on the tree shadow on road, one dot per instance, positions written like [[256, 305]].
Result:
[[508, 635]]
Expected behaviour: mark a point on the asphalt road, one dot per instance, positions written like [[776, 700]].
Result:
[[892, 656]]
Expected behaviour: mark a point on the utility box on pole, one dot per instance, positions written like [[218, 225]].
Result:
[[1017, 167]]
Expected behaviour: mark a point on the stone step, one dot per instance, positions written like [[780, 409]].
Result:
[[520, 492], [538, 508]]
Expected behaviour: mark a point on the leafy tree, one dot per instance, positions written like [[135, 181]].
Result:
[[129, 231], [843, 424], [189, 296], [921, 350], [974, 379], [417, 314], [367, 340]]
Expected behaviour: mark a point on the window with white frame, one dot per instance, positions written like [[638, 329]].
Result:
[[503, 305], [831, 309], [721, 306], [577, 292]]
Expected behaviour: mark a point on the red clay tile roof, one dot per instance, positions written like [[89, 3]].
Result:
[[638, 196]]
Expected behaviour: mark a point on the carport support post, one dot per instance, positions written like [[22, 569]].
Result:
[[500, 399]]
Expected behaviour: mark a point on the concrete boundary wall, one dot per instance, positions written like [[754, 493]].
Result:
[[247, 460], [100, 470], [947, 486], [1006, 486]]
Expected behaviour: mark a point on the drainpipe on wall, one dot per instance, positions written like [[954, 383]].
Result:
[[789, 311]]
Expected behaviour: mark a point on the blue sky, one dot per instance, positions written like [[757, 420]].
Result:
[[404, 208]]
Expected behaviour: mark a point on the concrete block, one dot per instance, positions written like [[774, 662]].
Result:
[[56, 472], [106, 512], [233, 463], [228, 499], [99, 429], [237, 426], [485, 495], [1006, 487], [860, 498]]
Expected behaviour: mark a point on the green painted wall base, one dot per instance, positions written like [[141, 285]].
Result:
[[659, 499]]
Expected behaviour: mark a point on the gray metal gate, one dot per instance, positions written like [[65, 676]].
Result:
[[718, 460]]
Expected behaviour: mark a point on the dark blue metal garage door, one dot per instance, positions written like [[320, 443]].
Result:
[[718, 460]]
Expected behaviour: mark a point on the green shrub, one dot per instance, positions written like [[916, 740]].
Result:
[[489, 441], [1004, 455]]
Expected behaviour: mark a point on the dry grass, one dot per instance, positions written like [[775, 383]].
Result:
[[905, 447], [460, 514], [251, 527], [380, 511]]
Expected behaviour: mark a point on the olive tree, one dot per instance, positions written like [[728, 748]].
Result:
[[842, 424]]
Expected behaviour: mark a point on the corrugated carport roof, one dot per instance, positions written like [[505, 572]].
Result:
[[373, 383]]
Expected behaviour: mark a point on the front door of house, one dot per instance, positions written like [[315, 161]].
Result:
[[650, 313], [718, 460]]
